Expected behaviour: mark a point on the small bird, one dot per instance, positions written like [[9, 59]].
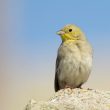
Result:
[[74, 59]]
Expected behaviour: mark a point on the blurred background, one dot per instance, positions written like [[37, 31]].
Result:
[[28, 46]]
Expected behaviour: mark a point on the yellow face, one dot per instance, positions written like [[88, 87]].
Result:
[[69, 32]]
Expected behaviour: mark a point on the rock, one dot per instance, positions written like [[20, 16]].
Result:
[[74, 99]]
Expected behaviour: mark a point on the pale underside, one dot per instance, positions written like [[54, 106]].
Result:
[[73, 65]]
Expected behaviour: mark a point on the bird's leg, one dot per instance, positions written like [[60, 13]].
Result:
[[67, 86], [70, 87]]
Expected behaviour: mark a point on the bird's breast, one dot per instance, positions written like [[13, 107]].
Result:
[[75, 64]]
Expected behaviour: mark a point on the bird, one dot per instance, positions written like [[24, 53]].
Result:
[[74, 58]]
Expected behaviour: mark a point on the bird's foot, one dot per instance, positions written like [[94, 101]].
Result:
[[70, 87]]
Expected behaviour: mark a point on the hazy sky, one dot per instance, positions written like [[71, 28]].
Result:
[[32, 44]]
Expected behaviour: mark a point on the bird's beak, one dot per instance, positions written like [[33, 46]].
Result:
[[60, 32]]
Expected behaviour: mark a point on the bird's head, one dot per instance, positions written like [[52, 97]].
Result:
[[71, 32]]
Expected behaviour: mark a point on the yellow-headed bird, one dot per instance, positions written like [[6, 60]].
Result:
[[74, 60]]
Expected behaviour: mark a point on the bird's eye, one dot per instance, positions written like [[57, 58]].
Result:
[[70, 30]]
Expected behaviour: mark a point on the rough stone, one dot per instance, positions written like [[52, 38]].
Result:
[[74, 99]]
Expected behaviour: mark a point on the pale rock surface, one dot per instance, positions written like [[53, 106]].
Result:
[[74, 99]]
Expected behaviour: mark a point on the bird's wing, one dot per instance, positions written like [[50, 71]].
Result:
[[56, 84]]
